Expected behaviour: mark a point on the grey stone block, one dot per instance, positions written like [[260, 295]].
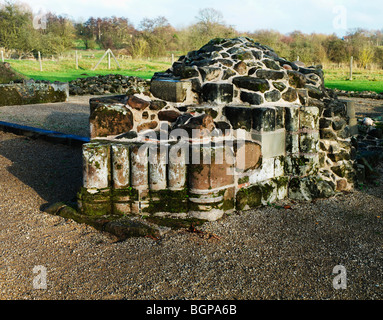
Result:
[[263, 119], [170, 90], [273, 143], [218, 92]]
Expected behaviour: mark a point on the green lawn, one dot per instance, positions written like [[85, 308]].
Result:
[[355, 85], [363, 80], [65, 70]]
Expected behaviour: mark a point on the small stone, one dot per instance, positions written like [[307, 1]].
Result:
[[157, 105], [314, 92], [137, 103], [241, 68], [209, 73], [296, 79], [270, 74], [168, 115], [273, 96], [227, 74], [253, 84], [279, 86], [271, 64], [147, 126], [203, 124], [341, 185], [290, 95], [338, 124], [225, 62], [252, 98]]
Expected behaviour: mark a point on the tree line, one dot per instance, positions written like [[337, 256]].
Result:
[[23, 34]]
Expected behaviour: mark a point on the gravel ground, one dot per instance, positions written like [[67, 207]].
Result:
[[268, 253], [71, 117], [367, 107]]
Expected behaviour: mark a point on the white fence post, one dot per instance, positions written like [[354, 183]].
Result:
[[40, 62]]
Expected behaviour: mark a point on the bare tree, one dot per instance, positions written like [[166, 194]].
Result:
[[210, 16]]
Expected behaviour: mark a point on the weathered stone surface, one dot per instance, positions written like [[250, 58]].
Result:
[[270, 74], [226, 62], [290, 95], [147, 126], [257, 54], [252, 98], [248, 156], [241, 68], [309, 118], [157, 105], [338, 124], [137, 103], [309, 142], [279, 86], [210, 73], [296, 79], [292, 118], [170, 90], [218, 92], [96, 166], [168, 115], [314, 92], [201, 126], [186, 72], [273, 96], [239, 117], [271, 64], [250, 83], [110, 120], [228, 74], [120, 166], [32, 93], [263, 119]]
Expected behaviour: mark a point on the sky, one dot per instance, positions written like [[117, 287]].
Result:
[[308, 16]]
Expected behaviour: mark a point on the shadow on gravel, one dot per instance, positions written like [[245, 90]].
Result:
[[54, 171], [376, 111], [69, 123]]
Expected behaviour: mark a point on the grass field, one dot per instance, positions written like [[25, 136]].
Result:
[[363, 80], [64, 70]]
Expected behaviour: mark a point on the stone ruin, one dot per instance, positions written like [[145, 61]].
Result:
[[231, 126]]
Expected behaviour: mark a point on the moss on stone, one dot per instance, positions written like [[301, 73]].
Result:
[[176, 223], [243, 180], [251, 197], [168, 201]]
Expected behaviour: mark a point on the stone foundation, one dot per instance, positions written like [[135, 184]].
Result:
[[229, 127], [32, 93]]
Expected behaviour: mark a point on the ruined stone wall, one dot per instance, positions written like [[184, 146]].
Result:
[[30, 92], [274, 128]]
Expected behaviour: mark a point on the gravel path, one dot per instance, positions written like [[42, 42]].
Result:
[[70, 117], [268, 253]]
